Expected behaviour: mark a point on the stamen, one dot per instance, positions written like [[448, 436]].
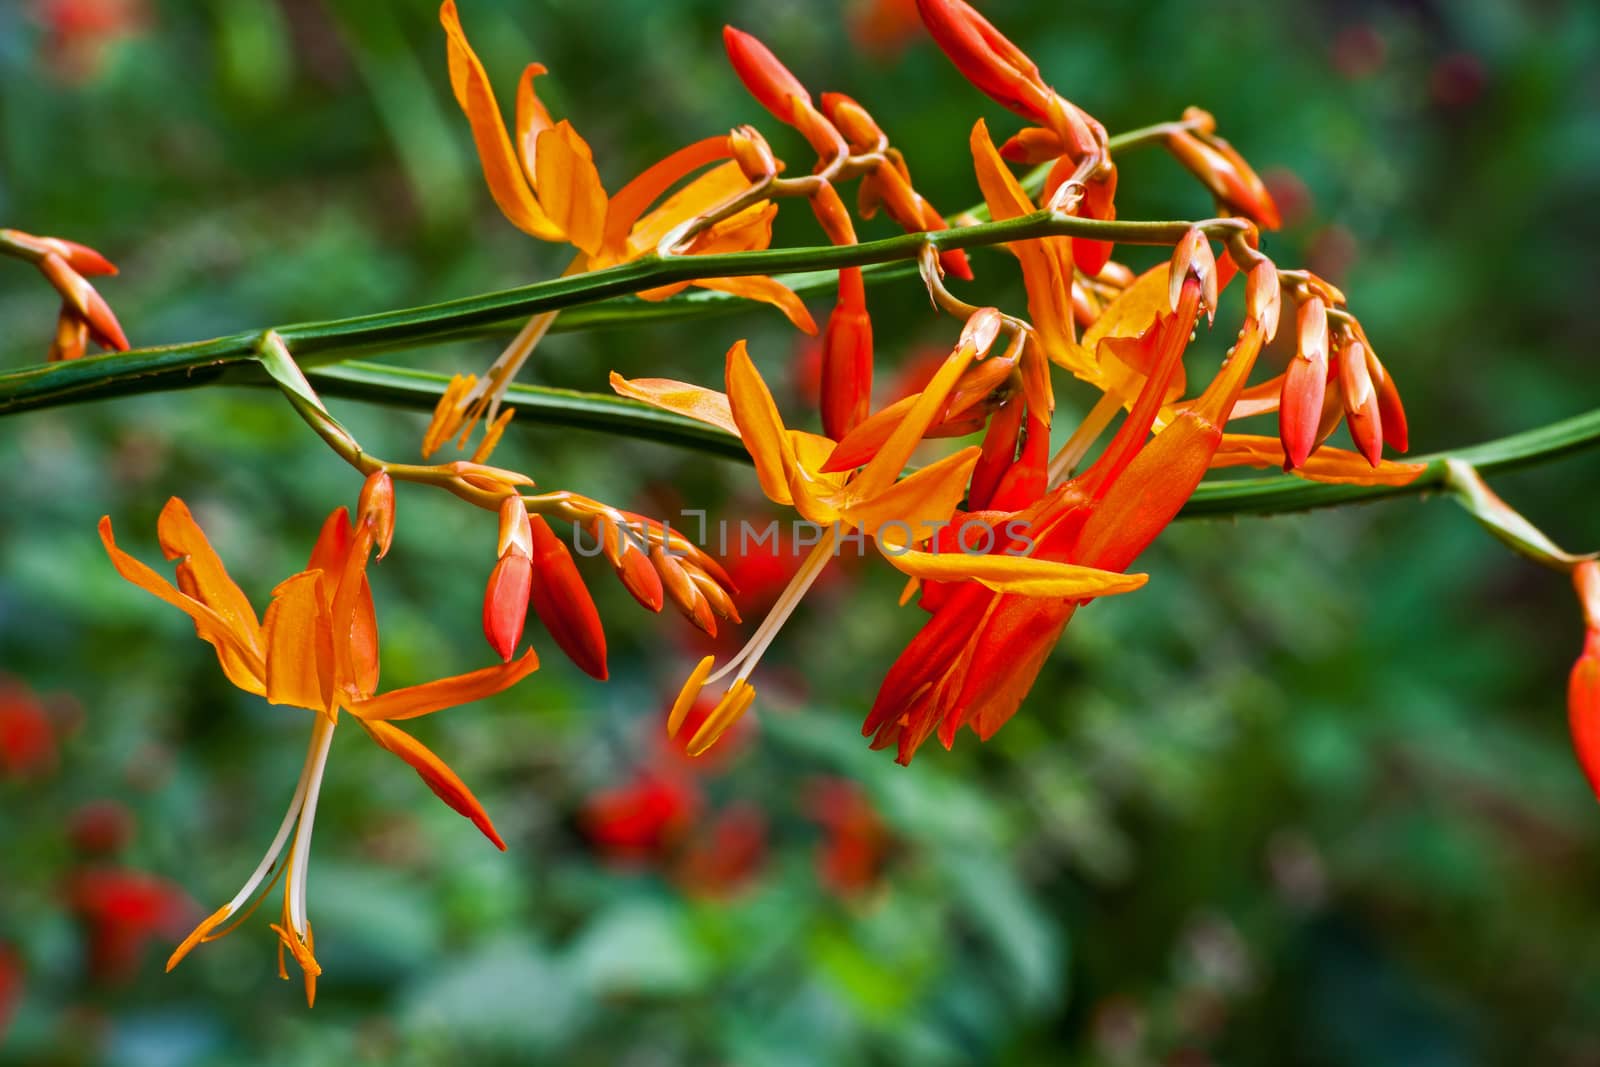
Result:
[[295, 892]]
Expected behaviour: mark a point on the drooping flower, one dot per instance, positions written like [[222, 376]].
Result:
[[316, 648], [979, 653]]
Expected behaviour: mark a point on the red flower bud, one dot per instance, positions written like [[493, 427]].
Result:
[[563, 603], [768, 80], [1304, 386], [847, 358]]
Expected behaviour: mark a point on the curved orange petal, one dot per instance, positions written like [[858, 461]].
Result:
[[1023, 575], [532, 119], [767, 291], [682, 398], [710, 190], [201, 572], [569, 186], [913, 505], [1333, 465], [240, 661], [299, 638], [418, 700], [1046, 261], [501, 167], [756, 417], [438, 776]]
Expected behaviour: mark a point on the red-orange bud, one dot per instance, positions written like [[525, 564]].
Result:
[[1360, 401], [1304, 386], [563, 603], [987, 58], [857, 125], [751, 151], [1225, 173], [1583, 687], [505, 604], [1026, 479], [1193, 255], [768, 80], [833, 215], [1263, 297], [375, 506], [847, 358]]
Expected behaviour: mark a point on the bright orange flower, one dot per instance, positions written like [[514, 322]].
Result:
[[545, 182], [797, 468], [979, 653], [317, 648]]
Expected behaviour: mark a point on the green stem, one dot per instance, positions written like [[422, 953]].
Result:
[[176, 366], [1214, 499]]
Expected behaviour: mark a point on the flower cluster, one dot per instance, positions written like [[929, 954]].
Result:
[[1002, 539]]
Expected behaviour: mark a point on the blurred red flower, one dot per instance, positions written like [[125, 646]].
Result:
[[856, 842], [27, 737], [641, 820], [121, 910]]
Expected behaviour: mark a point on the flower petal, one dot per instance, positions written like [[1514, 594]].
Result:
[[299, 640], [444, 782], [240, 661], [1023, 575], [569, 186], [648, 186], [418, 700], [201, 573], [501, 166], [681, 398], [1333, 465], [767, 291], [756, 417], [915, 504]]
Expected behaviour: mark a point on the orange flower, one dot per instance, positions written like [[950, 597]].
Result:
[[545, 182], [869, 499], [317, 648], [979, 653]]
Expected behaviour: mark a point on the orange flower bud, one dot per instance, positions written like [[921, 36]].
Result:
[[1223, 171], [1304, 386], [768, 80], [1193, 255], [89, 305], [984, 56], [751, 151], [505, 603], [563, 603], [72, 337], [1263, 297], [1360, 401], [1391, 412], [1583, 687], [981, 329], [638, 576], [833, 215], [376, 506], [681, 590], [847, 358], [1098, 202], [516, 530], [857, 125]]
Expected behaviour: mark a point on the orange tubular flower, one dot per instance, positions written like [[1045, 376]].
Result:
[[1583, 688], [317, 649], [847, 358], [794, 468], [979, 653], [546, 184]]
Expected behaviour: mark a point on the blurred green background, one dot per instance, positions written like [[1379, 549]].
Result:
[[1306, 799]]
